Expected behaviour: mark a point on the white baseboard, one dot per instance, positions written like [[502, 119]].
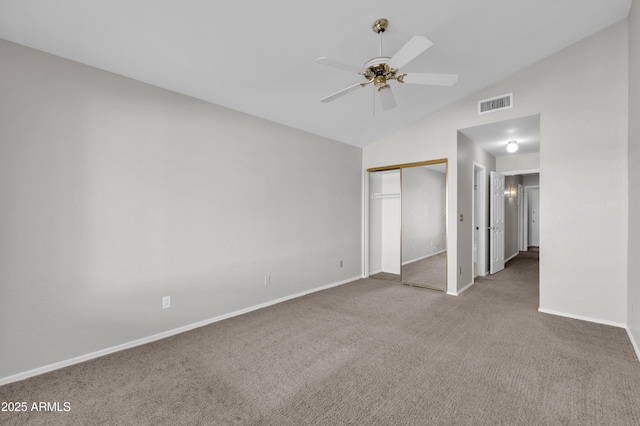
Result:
[[458, 293], [423, 257], [159, 336], [583, 318], [633, 343]]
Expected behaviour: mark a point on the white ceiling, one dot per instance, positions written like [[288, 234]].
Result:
[[494, 137], [258, 57]]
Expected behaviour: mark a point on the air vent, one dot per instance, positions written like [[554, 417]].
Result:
[[494, 104]]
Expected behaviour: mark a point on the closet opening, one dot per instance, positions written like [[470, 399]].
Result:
[[408, 224]]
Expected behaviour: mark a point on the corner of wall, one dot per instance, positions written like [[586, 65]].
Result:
[[633, 157]]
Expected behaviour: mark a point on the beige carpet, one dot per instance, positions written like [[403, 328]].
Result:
[[387, 276], [365, 353]]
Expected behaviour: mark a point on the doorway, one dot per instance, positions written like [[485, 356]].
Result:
[[479, 209], [484, 148], [533, 216], [384, 225]]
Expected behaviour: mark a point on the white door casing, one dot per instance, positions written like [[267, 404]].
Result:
[[480, 222], [496, 223], [534, 217]]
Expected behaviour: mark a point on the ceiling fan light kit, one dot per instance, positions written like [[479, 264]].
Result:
[[382, 69]]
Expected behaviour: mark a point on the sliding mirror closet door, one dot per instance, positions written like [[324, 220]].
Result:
[[384, 225], [424, 226]]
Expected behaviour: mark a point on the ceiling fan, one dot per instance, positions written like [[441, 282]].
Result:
[[380, 70]]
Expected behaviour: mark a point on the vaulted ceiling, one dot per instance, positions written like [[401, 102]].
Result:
[[258, 57]]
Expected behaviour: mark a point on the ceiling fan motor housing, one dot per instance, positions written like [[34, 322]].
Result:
[[378, 71]]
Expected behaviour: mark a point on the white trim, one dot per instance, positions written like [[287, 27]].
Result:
[[633, 343], [527, 195], [582, 318], [481, 264], [458, 293], [159, 336], [365, 224], [424, 257], [383, 196], [521, 227]]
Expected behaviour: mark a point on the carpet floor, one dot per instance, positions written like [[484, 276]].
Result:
[[387, 276], [364, 353]]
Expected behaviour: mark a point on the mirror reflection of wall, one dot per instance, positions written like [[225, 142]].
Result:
[[424, 233], [384, 225]]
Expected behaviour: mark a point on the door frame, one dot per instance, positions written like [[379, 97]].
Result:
[[527, 195], [524, 217], [481, 263]]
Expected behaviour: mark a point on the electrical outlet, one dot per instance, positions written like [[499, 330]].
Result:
[[166, 302], [267, 280], [461, 270], [341, 263]]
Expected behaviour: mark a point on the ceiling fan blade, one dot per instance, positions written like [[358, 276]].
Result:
[[342, 92], [337, 64], [387, 99], [432, 79], [410, 51]]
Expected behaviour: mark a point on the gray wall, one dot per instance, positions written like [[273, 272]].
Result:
[[633, 276], [511, 218], [115, 193], [468, 153]]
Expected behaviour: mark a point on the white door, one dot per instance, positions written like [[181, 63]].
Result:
[[496, 222], [534, 217]]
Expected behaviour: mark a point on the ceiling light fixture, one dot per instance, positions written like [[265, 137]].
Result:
[[512, 146]]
